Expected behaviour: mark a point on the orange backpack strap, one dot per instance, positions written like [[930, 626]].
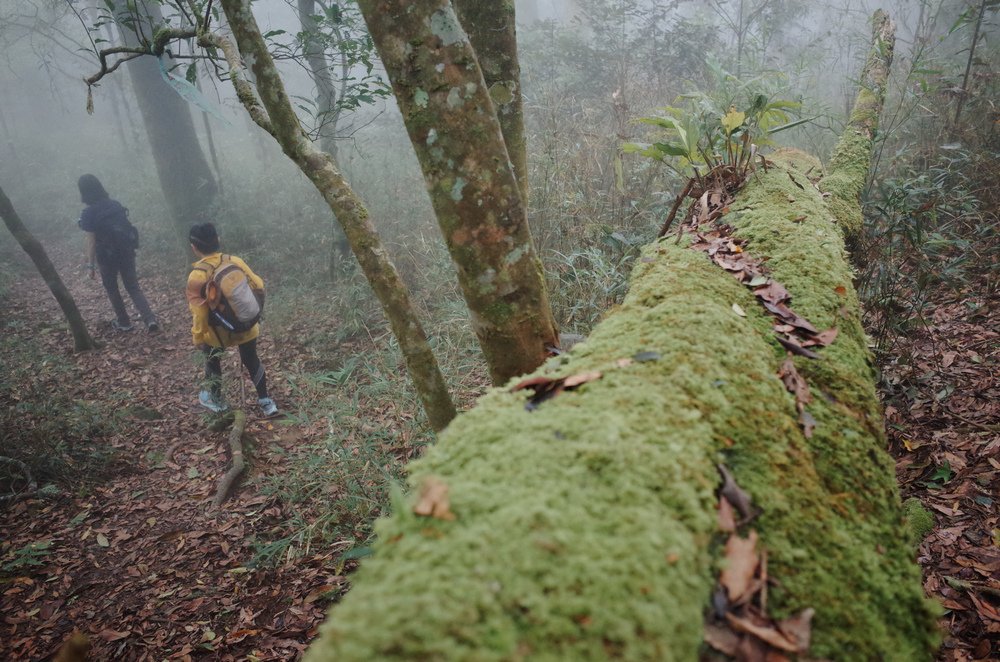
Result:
[[209, 270]]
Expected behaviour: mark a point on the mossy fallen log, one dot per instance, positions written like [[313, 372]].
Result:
[[587, 529]]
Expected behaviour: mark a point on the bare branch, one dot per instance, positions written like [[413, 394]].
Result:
[[162, 37]]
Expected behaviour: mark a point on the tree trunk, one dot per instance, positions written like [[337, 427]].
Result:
[[185, 176], [968, 66], [454, 130], [848, 170], [493, 33], [327, 113], [319, 70], [278, 117], [81, 338], [588, 526]]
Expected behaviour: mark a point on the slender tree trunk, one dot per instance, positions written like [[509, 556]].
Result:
[[278, 117], [207, 123], [493, 33], [81, 338], [314, 51], [454, 130], [185, 176], [968, 65], [328, 115], [589, 525]]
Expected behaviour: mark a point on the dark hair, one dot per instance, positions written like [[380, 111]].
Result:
[[204, 237], [91, 190]]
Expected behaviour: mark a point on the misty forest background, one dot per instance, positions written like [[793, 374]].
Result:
[[590, 69]]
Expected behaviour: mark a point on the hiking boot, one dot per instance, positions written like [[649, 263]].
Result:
[[153, 327], [118, 326], [211, 403], [267, 406]]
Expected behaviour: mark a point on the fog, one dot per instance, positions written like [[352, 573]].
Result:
[[574, 56], [168, 498]]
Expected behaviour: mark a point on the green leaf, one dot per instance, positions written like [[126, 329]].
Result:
[[672, 149], [191, 75], [733, 120], [792, 125], [193, 472], [273, 33]]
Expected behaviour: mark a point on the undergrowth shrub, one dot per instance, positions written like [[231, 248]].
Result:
[[61, 439]]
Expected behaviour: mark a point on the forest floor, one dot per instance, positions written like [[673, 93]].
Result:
[[139, 560], [942, 397]]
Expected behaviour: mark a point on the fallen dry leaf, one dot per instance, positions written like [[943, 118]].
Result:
[[794, 347], [798, 628], [735, 494], [766, 633], [773, 292], [741, 565], [808, 423], [548, 387], [112, 635], [727, 522], [433, 501], [721, 639], [794, 382], [576, 380]]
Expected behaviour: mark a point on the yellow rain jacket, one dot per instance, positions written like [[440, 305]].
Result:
[[201, 332]]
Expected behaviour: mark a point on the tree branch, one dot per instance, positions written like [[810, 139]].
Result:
[[244, 90], [162, 37]]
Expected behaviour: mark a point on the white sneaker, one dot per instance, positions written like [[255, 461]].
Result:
[[267, 406], [208, 401]]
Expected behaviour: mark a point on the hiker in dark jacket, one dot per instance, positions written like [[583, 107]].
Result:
[[111, 244]]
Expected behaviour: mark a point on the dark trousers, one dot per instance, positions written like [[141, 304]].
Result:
[[248, 355], [123, 264]]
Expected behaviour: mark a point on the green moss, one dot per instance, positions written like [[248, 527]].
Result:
[[919, 520], [584, 528]]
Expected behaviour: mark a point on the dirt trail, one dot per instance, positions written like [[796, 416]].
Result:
[[141, 563]]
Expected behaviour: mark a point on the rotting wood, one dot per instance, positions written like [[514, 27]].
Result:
[[238, 465]]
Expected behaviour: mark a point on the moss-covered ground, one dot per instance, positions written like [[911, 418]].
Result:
[[584, 529]]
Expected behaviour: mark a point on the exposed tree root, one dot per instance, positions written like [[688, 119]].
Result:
[[23, 468], [168, 457], [239, 419]]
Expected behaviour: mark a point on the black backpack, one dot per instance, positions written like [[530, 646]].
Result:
[[122, 234]]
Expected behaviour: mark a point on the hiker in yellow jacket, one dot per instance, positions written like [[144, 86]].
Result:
[[213, 338]]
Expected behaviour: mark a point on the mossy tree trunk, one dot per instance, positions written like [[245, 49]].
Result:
[[848, 169], [587, 528], [81, 337], [493, 33], [274, 113], [454, 130]]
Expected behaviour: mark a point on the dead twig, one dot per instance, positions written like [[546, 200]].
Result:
[[23, 468], [239, 464], [673, 210]]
